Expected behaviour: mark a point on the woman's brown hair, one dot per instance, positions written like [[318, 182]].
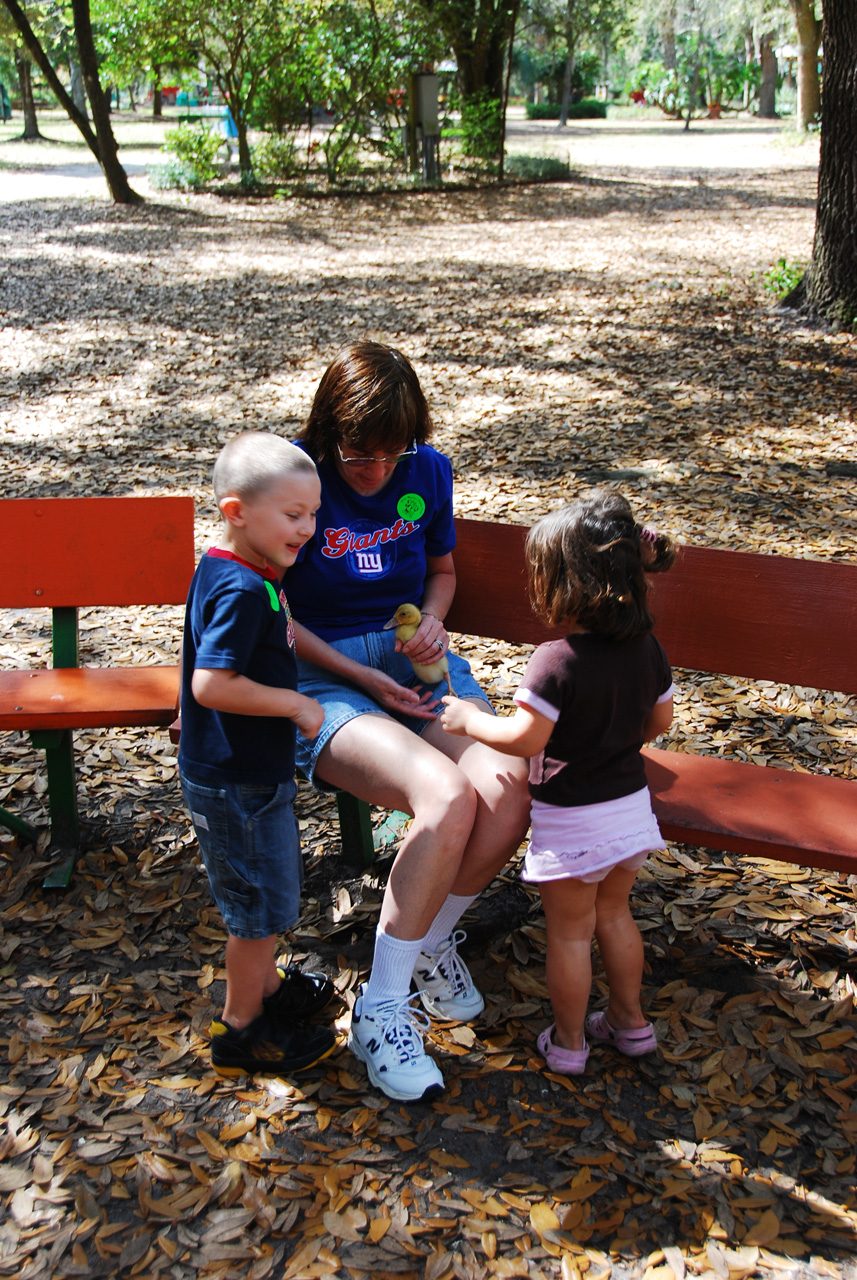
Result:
[[588, 562], [369, 398]]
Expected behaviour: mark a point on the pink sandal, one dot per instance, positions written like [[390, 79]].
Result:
[[568, 1062], [634, 1043]]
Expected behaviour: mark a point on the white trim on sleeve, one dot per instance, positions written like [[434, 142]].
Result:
[[527, 698]]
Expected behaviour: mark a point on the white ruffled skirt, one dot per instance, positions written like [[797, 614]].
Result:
[[587, 841]]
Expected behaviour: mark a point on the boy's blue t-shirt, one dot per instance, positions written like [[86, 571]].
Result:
[[368, 554], [237, 620]]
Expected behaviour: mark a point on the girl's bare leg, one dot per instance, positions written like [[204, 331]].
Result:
[[569, 907], [621, 948]]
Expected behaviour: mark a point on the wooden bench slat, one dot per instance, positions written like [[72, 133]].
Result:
[[88, 697], [95, 551], [731, 612], [775, 813]]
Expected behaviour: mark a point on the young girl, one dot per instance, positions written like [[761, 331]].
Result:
[[587, 704]]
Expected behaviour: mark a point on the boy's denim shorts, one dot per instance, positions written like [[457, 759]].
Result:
[[248, 836], [343, 701]]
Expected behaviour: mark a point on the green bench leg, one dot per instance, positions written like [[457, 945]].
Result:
[[18, 825], [355, 830], [62, 799], [359, 846]]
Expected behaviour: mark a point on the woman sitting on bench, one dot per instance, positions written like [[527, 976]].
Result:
[[384, 537]]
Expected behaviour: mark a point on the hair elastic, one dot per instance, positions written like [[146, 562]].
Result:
[[648, 533]]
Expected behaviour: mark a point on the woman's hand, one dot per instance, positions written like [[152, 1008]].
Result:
[[398, 697], [429, 642]]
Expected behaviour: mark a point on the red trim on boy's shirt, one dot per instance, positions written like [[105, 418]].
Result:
[[220, 554]]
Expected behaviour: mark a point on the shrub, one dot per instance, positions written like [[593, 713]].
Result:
[[195, 148], [782, 278], [586, 109], [275, 158], [481, 127], [173, 175], [537, 168]]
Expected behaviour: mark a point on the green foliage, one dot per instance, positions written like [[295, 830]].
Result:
[[546, 66], [482, 127], [195, 149], [537, 168], [275, 158], [782, 278], [586, 109], [173, 175]]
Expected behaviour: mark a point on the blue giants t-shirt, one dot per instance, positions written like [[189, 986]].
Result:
[[368, 555], [237, 619]]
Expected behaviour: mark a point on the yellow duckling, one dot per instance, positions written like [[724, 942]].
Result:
[[406, 619]]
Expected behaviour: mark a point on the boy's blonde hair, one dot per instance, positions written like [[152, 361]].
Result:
[[248, 463]]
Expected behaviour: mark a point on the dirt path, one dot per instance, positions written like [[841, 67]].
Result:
[[65, 168]]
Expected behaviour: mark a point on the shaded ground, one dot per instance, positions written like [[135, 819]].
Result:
[[612, 328]]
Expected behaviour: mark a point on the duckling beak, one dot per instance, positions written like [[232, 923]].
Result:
[[388, 626]]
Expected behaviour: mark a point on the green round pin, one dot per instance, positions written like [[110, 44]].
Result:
[[272, 596], [411, 506]]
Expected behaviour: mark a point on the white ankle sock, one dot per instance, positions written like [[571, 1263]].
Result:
[[392, 966], [446, 920]]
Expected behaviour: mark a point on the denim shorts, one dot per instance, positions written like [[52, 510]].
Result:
[[343, 701], [248, 836]]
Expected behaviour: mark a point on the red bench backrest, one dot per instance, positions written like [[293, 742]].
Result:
[[763, 617], [95, 551]]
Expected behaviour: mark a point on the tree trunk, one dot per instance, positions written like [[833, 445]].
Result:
[[117, 179], [809, 37], [78, 92], [37, 53], [28, 105], [768, 87], [506, 94], [667, 27], [749, 59], [829, 289], [566, 89], [157, 99]]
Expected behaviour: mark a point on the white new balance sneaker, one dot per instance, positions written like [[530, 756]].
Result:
[[444, 983], [389, 1041]]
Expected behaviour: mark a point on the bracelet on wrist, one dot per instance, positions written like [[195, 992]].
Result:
[[427, 613]]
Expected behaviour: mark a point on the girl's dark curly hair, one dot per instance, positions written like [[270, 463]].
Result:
[[588, 562], [369, 398]]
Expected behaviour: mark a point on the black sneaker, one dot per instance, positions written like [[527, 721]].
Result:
[[299, 995], [267, 1045]]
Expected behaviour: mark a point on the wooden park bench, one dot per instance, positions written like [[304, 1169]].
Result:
[[63, 554], [732, 613]]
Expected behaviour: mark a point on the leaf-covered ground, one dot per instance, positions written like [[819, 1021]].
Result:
[[614, 328]]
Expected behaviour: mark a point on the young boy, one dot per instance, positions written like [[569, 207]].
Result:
[[240, 708]]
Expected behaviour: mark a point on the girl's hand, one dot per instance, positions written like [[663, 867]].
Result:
[[456, 716], [397, 697], [429, 643]]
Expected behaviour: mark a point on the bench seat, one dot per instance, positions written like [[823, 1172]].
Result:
[[807, 818], [88, 697]]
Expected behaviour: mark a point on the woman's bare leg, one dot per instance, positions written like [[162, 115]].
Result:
[[503, 805], [380, 761]]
